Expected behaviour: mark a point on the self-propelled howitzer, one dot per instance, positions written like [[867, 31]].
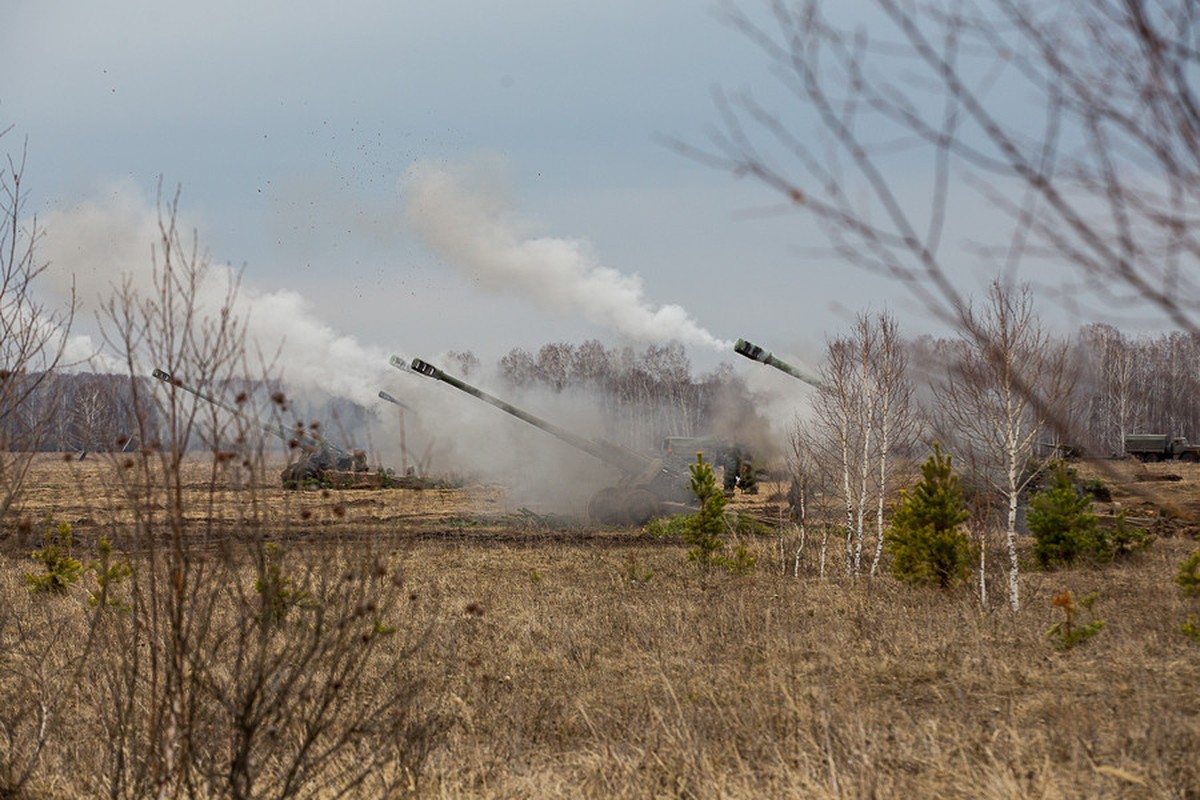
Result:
[[648, 486], [756, 353], [319, 454]]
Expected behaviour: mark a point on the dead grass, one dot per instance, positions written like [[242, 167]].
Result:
[[546, 669], [713, 686]]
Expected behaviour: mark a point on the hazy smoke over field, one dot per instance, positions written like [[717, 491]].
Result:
[[464, 213], [99, 245]]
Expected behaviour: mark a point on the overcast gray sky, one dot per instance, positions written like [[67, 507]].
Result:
[[416, 177]]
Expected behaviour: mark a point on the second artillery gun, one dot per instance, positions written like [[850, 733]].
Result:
[[321, 460], [648, 487]]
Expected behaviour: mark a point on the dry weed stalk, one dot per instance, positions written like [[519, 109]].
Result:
[[189, 680]]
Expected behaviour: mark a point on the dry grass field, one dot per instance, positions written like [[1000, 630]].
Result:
[[440, 643]]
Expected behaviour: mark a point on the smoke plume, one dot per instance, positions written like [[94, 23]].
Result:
[[99, 244], [464, 214]]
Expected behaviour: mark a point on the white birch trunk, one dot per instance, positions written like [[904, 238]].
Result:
[[983, 593], [864, 471], [824, 550], [1014, 598], [845, 434], [884, 448], [796, 555]]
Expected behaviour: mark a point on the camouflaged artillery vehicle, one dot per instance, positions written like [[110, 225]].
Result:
[[648, 487], [321, 462]]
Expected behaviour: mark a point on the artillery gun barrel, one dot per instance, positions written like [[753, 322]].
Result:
[[306, 441], [385, 396], [627, 461], [756, 353]]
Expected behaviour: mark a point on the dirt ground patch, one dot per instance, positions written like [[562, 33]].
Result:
[[1162, 496], [98, 493], [101, 488]]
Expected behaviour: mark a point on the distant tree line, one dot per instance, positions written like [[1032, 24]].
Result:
[[85, 412], [1136, 384], [1121, 384], [72, 411], [644, 395]]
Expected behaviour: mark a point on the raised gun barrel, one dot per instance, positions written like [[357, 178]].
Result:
[[295, 437], [756, 353], [385, 396], [629, 462]]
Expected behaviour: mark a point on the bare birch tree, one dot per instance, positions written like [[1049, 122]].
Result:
[[838, 407], [812, 496], [32, 335], [1110, 359], [862, 410], [897, 424], [93, 415], [986, 412], [1074, 125]]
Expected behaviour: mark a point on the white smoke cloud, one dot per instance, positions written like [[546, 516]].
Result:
[[463, 212], [98, 245]]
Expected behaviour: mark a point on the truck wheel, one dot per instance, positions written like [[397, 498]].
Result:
[[641, 506], [607, 506]]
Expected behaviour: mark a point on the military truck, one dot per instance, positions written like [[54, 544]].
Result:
[[1160, 447], [320, 463], [649, 486]]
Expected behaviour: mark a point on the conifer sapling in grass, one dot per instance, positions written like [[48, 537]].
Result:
[[1062, 523], [924, 540]]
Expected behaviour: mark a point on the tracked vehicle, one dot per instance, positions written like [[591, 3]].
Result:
[[648, 487], [321, 461]]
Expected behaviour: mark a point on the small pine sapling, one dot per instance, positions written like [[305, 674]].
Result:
[[1189, 581], [1062, 523], [1191, 629], [924, 540], [109, 574], [277, 591], [62, 568], [1069, 632], [703, 530], [740, 562], [1125, 539], [635, 572], [1189, 575]]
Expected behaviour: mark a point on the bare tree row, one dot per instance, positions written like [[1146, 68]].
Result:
[[647, 395], [78, 412], [1137, 384]]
